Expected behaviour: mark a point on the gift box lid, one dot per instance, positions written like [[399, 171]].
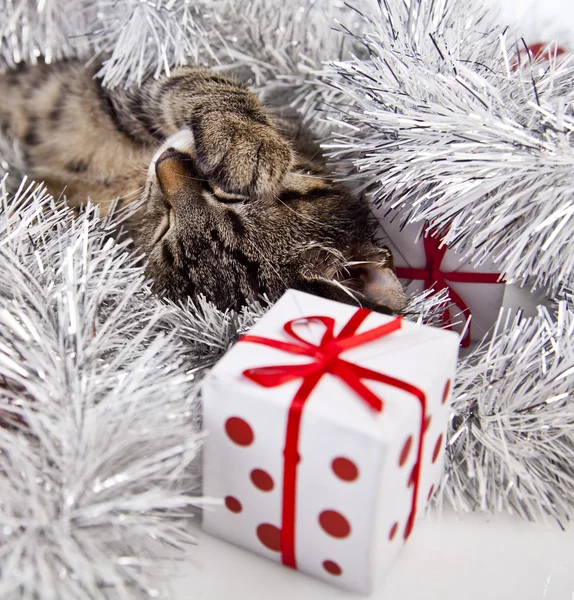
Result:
[[410, 354]]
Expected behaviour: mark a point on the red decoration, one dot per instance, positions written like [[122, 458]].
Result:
[[327, 360], [438, 280], [405, 452], [239, 431], [437, 448], [409, 527], [431, 492], [393, 531], [233, 504], [446, 391], [345, 469], [538, 52], [332, 567], [262, 480], [334, 523], [269, 536]]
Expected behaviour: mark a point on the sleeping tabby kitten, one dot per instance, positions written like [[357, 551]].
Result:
[[238, 202]]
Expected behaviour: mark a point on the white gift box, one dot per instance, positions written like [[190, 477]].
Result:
[[342, 512], [483, 300]]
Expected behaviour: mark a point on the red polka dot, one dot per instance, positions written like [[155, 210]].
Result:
[[409, 527], [405, 451], [446, 391], [393, 531], [334, 523], [437, 448], [431, 492], [332, 567], [233, 504], [427, 423], [269, 536], [262, 480], [345, 469], [239, 431]]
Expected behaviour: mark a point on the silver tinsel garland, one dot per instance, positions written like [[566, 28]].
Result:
[[94, 470], [445, 123], [427, 112], [511, 440]]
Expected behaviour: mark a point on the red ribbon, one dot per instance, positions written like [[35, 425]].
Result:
[[326, 360], [436, 279], [539, 51]]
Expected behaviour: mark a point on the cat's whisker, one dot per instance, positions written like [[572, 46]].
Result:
[[311, 176], [127, 195], [347, 291], [137, 190], [190, 178], [355, 263]]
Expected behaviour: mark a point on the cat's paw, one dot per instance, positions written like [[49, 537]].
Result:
[[243, 157]]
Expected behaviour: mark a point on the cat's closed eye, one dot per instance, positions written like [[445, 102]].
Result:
[[224, 196]]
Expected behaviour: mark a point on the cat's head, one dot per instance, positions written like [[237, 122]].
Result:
[[312, 236]]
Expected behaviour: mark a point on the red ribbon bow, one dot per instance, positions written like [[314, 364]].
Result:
[[436, 279], [327, 359]]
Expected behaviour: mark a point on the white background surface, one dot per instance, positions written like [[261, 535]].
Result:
[[472, 557], [539, 20], [449, 557]]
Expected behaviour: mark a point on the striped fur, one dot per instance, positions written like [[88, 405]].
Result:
[[238, 202]]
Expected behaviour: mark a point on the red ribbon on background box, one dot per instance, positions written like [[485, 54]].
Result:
[[327, 360], [538, 52], [436, 279]]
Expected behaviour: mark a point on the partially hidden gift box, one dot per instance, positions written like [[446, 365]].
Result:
[[423, 261], [325, 433]]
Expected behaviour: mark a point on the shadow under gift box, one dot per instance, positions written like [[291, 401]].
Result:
[[357, 490]]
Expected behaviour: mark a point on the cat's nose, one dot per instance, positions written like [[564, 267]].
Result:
[[171, 153], [173, 169]]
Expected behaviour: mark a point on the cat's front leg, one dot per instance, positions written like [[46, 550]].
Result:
[[236, 144]]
